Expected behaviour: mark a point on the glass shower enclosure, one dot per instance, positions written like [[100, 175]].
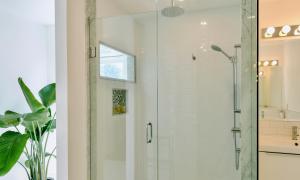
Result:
[[173, 90]]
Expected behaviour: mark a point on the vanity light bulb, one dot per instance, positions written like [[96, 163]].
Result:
[[274, 63], [285, 30], [259, 63], [270, 31], [266, 63], [261, 73], [297, 31]]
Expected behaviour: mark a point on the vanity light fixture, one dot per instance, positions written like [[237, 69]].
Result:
[[281, 31], [268, 63]]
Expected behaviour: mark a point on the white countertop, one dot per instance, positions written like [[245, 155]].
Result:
[[279, 144]]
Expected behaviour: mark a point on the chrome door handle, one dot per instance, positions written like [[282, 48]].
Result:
[[149, 133]]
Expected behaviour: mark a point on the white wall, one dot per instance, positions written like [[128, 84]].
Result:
[[73, 116], [61, 88], [107, 8], [278, 13], [27, 51]]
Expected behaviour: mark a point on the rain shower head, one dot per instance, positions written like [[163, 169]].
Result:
[[218, 49], [172, 11]]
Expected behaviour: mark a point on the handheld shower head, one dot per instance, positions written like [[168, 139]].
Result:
[[218, 49]]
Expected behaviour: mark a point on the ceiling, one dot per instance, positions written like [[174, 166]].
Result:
[[37, 11], [150, 5], [42, 11]]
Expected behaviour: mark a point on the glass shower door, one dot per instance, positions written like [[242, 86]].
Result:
[[162, 100], [124, 97]]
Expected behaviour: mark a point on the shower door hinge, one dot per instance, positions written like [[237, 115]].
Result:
[[92, 52]]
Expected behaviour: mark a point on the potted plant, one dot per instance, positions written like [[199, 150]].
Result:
[[28, 134]]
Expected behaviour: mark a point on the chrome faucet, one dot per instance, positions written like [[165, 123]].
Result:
[[295, 133], [282, 114]]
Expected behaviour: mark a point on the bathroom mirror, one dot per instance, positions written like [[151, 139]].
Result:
[[271, 75], [116, 64], [279, 86]]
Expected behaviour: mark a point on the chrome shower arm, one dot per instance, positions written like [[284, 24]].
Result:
[[229, 57]]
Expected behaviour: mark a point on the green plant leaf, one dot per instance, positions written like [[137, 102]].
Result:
[[50, 155], [48, 94], [11, 112], [10, 119], [27, 163], [33, 103], [11, 147], [36, 119], [50, 126]]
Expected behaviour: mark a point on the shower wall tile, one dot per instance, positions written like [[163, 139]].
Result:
[[194, 95]]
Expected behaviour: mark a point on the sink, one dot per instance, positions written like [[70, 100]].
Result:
[[279, 144]]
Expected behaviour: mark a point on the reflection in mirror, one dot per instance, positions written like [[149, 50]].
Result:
[[116, 64], [271, 79], [279, 80]]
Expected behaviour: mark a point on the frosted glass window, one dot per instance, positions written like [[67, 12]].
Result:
[[116, 65]]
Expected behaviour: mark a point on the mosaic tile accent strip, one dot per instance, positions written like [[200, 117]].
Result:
[[119, 101]]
